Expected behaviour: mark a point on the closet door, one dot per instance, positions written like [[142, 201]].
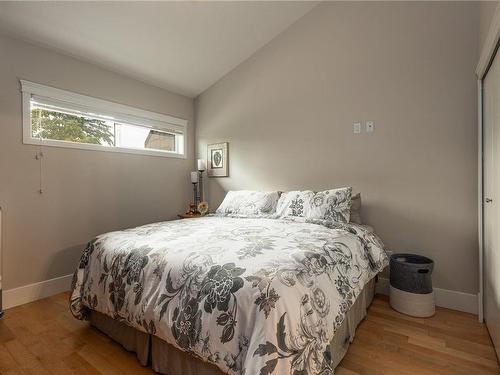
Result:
[[491, 203]]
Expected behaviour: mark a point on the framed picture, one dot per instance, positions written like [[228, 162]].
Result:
[[217, 157]]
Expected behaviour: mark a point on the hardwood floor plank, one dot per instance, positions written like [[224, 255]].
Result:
[[450, 342], [462, 344], [24, 358], [343, 371], [14, 371], [7, 362], [80, 366], [98, 361], [5, 333]]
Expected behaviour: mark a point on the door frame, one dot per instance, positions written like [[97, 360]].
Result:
[[485, 60]]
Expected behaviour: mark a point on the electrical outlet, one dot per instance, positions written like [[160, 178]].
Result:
[[356, 127], [370, 126]]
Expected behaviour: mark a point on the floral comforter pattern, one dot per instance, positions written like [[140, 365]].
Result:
[[252, 296]]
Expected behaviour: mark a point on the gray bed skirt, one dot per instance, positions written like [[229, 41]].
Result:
[[166, 359]]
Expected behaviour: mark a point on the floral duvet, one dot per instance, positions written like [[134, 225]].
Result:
[[252, 296]]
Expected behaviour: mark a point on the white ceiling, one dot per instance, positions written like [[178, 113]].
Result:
[[184, 47]]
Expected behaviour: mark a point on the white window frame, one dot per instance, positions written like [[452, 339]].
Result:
[[119, 112]]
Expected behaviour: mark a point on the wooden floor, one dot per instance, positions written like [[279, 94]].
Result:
[[43, 338]]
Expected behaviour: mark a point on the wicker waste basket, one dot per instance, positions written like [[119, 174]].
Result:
[[411, 285]]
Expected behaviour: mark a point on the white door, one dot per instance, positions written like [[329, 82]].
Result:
[[491, 203]]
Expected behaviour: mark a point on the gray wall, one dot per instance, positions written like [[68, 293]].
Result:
[[287, 113], [486, 11], [86, 192]]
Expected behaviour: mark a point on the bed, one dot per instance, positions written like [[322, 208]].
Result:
[[231, 295]]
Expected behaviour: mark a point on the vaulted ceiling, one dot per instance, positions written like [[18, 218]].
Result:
[[184, 47]]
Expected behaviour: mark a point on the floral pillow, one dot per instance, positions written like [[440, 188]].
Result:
[[294, 203], [248, 203], [334, 205]]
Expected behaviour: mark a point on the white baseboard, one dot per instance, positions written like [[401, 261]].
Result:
[[444, 298], [32, 292]]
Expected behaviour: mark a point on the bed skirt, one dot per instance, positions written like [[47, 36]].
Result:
[[166, 359]]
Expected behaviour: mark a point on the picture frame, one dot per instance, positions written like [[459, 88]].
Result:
[[218, 160]]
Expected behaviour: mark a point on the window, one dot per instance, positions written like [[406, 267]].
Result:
[[61, 118]]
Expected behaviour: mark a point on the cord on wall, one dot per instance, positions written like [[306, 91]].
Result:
[[39, 154], [39, 157]]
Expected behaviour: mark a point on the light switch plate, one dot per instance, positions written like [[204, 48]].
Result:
[[356, 127], [370, 126]]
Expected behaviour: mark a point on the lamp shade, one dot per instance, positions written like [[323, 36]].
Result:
[[202, 165]]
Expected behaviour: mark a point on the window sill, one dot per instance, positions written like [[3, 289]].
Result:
[[92, 147]]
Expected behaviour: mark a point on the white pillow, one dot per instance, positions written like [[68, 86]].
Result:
[[248, 203], [334, 205], [294, 203]]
